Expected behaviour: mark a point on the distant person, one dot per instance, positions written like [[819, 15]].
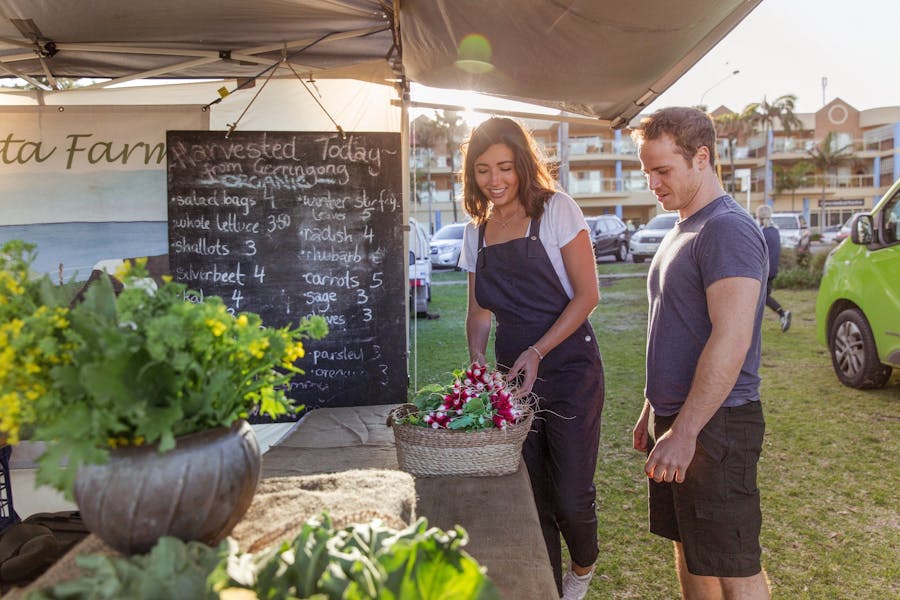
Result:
[[702, 406], [773, 241], [531, 267], [804, 241]]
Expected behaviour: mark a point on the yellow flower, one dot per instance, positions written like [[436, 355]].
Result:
[[59, 319], [297, 352], [122, 273], [15, 326], [217, 327], [242, 321], [13, 286], [257, 348], [10, 405]]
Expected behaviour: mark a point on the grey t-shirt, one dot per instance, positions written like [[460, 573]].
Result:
[[720, 240]]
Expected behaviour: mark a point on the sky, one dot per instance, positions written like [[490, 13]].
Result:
[[785, 47]]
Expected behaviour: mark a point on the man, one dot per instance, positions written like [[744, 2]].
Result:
[[706, 293], [773, 244]]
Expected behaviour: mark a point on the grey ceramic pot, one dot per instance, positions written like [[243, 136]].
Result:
[[197, 491]]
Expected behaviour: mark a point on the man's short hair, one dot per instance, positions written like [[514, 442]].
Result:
[[690, 128]]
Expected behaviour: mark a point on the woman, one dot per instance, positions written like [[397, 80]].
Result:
[[773, 244], [531, 266]]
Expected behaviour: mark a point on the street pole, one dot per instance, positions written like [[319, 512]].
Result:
[[716, 84]]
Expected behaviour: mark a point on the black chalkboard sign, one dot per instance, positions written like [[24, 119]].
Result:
[[287, 224]]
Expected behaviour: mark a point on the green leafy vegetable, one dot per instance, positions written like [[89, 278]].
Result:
[[359, 562]]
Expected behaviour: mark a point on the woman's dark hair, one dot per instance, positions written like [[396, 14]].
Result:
[[535, 182], [690, 128]]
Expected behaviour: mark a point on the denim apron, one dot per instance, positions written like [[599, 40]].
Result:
[[516, 281]]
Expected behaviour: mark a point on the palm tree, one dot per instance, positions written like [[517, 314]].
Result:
[[425, 134], [732, 127], [766, 114], [789, 179], [454, 128], [828, 156]]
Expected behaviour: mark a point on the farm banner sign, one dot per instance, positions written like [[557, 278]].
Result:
[[87, 183], [87, 163]]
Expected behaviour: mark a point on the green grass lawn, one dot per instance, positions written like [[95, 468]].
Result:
[[828, 473]]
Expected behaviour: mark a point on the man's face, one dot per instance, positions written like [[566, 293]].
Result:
[[673, 180]]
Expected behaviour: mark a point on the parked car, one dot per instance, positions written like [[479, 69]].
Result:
[[610, 236], [844, 231], [446, 245], [792, 230], [858, 304], [829, 234], [419, 267], [645, 241]]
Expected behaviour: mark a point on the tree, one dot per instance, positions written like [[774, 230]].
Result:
[[765, 114], [732, 127], [789, 179], [828, 156], [425, 134], [454, 128]]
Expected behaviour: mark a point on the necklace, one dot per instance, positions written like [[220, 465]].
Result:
[[503, 223]]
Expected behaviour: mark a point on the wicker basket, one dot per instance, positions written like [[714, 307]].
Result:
[[427, 452]]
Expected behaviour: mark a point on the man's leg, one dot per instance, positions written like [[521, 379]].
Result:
[[695, 587], [700, 587], [755, 587]]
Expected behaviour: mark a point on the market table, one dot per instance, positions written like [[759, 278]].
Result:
[[343, 460], [498, 512]]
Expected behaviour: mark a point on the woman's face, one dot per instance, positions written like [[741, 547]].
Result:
[[495, 175]]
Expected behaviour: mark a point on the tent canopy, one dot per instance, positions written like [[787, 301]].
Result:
[[601, 59]]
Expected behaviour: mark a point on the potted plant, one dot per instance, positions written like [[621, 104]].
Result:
[[137, 376]]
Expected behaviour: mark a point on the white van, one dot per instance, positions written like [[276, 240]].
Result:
[[419, 267], [792, 230]]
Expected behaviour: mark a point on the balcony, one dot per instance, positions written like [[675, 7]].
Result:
[[606, 186], [435, 197], [817, 182], [789, 145], [598, 147]]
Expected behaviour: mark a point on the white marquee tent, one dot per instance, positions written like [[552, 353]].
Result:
[[602, 59]]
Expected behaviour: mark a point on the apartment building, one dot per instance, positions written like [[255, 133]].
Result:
[[599, 167]]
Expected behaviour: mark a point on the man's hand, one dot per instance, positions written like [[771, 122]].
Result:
[[670, 457], [640, 435]]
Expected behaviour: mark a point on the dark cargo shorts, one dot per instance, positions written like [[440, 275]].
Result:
[[715, 513]]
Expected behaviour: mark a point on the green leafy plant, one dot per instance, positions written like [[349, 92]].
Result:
[[141, 367], [359, 562], [172, 569], [800, 270]]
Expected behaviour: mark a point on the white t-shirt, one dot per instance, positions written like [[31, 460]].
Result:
[[560, 223]]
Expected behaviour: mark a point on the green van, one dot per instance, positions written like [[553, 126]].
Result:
[[858, 306]]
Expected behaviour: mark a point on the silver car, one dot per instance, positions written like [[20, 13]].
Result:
[[446, 245], [645, 241]]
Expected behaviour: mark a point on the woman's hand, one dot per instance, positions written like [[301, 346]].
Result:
[[524, 372]]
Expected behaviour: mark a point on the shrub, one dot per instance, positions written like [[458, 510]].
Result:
[[800, 270]]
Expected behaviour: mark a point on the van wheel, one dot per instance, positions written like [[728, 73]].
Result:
[[622, 253], [853, 352]]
